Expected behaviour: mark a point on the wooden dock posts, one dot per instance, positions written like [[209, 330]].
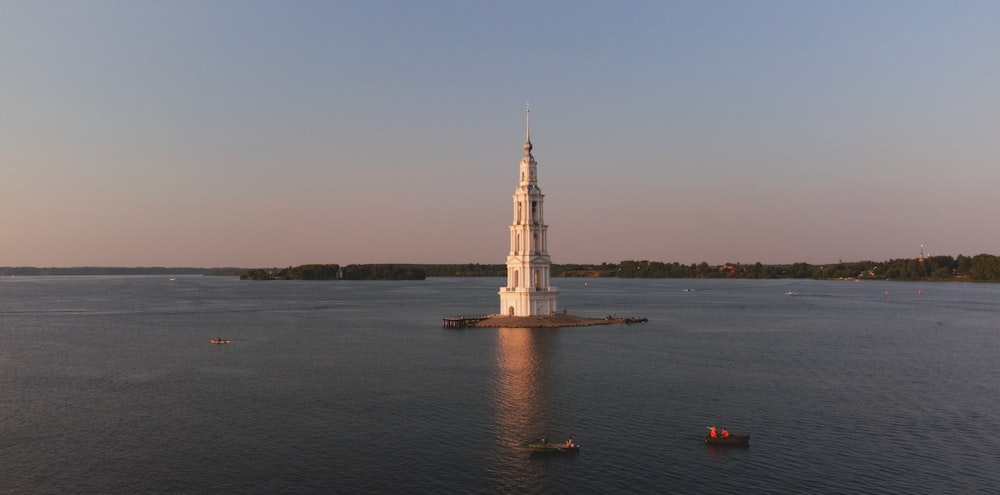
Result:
[[462, 321]]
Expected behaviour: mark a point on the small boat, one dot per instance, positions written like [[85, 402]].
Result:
[[728, 440], [221, 341], [554, 448]]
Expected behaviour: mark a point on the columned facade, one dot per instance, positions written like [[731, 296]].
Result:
[[528, 265]]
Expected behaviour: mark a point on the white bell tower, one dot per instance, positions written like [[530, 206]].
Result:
[[528, 265]]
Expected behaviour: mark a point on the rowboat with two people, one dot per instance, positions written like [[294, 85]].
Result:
[[544, 446], [715, 437], [221, 341]]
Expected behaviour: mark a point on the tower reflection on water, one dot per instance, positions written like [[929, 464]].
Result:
[[522, 394]]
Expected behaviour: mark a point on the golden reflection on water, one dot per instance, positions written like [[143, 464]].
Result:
[[521, 385]]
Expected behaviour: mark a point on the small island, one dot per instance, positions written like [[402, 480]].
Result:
[[535, 321]]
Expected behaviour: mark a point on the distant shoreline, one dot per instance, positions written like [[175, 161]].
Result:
[[979, 268], [28, 271]]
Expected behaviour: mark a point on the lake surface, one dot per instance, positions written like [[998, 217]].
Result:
[[110, 386]]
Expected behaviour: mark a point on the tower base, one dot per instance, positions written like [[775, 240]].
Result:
[[528, 302]]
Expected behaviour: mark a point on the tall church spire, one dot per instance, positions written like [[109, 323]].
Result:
[[528, 264]]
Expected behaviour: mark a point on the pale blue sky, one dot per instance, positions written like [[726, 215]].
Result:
[[240, 133]]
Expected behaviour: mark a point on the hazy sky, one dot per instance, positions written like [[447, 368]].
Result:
[[258, 134]]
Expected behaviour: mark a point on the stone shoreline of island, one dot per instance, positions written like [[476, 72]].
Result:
[[546, 321]]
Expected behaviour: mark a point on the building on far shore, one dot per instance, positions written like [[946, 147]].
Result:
[[528, 264]]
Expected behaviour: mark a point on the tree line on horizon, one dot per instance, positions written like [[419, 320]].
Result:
[[26, 271], [337, 272], [979, 268]]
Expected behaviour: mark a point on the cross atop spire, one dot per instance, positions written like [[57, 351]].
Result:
[[527, 128]]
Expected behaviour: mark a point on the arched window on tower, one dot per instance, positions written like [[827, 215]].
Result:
[[535, 246], [537, 282], [534, 212]]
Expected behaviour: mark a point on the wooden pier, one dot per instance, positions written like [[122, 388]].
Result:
[[462, 321]]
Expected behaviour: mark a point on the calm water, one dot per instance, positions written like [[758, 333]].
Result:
[[109, 385]]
